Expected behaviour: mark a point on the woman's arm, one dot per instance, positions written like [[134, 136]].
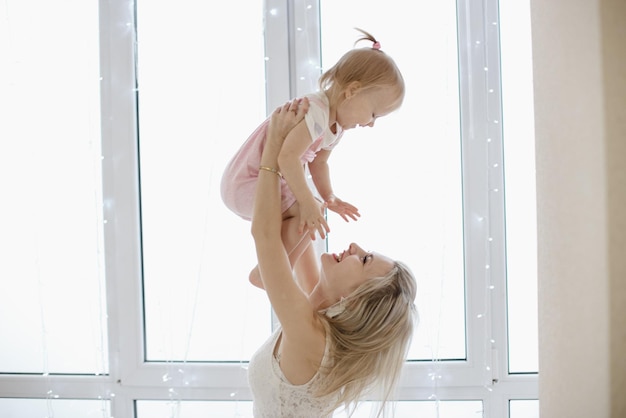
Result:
[[303, 337], [288, 301]]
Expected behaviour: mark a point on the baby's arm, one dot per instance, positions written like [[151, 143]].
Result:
[[311, 212], [320, 172]]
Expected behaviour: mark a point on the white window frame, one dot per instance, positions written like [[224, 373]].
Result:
[[133, 379]]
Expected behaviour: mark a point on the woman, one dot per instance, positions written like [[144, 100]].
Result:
[[341, 339]]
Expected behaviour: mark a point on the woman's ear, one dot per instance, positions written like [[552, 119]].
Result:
[[352, 89]]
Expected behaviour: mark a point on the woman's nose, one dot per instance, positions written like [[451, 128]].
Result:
[[354, 249]]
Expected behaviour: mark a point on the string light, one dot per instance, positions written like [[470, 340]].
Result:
[[434, 375]]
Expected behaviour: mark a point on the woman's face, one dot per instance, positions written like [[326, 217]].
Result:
[[342, 273]]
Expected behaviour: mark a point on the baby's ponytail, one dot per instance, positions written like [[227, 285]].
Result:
[[370, 67], [367, 37]]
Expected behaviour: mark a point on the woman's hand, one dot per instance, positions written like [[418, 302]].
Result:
[[285, 118]]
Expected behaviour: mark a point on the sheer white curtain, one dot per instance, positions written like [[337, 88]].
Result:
[[201, 90], [117, 119], [52, 292], [404, 174]]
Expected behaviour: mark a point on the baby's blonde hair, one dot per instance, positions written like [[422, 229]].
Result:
[[369, 340], [369, 66]]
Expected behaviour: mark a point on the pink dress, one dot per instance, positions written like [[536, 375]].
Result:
[[239, 180]]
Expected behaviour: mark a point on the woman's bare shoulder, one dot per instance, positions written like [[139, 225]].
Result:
[[302, 352]]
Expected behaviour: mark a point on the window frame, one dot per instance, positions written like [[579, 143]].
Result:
[[131, 378]]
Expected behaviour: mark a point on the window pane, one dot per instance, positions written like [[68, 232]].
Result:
[[524, 409], [426, 409], [519, 163], [225, 409], [194, 409], [52, 297], [66, 408], [201, 93], [405, 174]]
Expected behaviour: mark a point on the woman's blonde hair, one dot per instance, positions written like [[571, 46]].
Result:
[[370, 337], [369, 66]]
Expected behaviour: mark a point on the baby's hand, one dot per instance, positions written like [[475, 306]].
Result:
[[344, 209], [312, 218], [286, 117]]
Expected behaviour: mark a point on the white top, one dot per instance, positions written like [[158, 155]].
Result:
[[317, 121], [274, 396]]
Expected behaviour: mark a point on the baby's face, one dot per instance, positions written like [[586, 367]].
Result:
[[363, 107]]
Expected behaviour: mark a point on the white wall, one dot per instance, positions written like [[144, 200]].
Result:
[[579, 54]]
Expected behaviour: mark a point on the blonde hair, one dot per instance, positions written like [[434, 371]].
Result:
[[369, 66], [369, 339]]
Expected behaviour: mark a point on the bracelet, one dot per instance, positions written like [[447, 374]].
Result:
[[271, 170]]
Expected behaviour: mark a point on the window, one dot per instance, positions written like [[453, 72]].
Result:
[[128, 275], [52, 304], [405, 174], [195, 110]]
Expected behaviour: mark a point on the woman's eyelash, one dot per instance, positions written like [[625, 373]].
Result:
[[365, 257]]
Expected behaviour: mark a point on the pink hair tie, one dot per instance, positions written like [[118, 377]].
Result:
[[376, 45]]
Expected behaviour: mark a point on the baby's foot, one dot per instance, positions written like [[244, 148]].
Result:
[[255, 278]]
